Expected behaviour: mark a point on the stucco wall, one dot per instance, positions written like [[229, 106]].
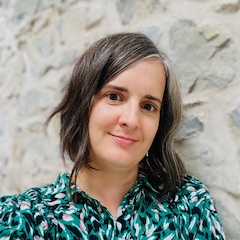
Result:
[[40, 41]]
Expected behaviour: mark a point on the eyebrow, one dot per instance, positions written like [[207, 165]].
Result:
[[150, 97], [123, 89]]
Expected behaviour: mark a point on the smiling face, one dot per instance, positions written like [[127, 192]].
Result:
[[125, 115]]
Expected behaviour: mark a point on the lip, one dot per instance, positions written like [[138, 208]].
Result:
[[123, 140]]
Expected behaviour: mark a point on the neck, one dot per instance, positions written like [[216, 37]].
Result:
[[109, 188]]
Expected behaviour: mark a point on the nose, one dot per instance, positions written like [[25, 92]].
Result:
[[130, 116]]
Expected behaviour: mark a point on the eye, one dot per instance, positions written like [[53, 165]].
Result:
[[149, 107], [114, 97]]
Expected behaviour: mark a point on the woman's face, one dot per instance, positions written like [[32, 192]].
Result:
[[125, 115]]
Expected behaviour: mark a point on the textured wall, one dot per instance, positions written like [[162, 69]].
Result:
[[40, 41]]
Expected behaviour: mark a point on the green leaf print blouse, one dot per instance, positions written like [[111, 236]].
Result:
[[48, 213]]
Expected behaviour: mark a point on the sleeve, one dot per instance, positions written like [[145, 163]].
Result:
[[16, 218], [204, 222]]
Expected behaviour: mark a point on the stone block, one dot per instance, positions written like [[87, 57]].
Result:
[[209, 32], [229, 216], [190, 127], [63, 4], [153, 32], [201, 63], [33, 101], [40, 22], [44, 43], [20, 8], [94, 15], [228, 6], [2, 28], [71, 25], [126, 9], [64, 58], [6, 53], [159, 4], [235, 116]]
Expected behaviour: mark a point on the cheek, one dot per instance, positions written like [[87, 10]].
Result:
[[154, 134], [100, 118], [151, 130], [96, 114]]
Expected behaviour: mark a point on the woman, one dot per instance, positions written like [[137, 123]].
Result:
[[119, 117]]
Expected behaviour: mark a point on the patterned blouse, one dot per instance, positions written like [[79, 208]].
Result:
[[48, 213]]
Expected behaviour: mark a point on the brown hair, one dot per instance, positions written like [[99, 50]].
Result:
[[102, 61]]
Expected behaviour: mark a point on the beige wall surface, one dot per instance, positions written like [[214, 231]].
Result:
[[39, 43]]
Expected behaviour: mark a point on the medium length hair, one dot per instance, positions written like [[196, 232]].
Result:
[[96, 67]]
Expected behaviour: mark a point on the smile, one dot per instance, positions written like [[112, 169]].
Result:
[[123, 140]]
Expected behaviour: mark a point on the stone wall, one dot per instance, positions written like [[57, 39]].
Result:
[[40, 41]]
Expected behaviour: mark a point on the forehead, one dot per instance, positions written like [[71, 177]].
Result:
[[145, 75]]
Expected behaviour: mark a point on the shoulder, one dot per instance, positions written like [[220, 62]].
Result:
[[37, 194], [29, 209], [197, 210], [192, 188], [192, 194]]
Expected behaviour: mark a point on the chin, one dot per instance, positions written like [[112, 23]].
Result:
[[123, 162]]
